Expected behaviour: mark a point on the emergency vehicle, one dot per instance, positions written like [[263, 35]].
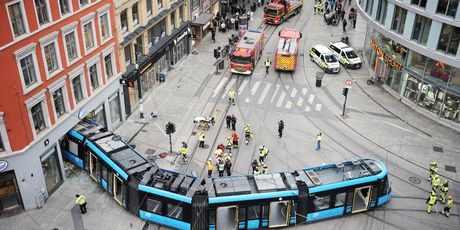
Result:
[[347, 55], [325, 58], [286, 53], [247, 52], [278, 11]]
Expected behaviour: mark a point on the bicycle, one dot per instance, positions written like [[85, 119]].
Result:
[[375, 80]]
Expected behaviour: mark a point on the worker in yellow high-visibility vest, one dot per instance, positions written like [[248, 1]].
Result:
[[81, 201]]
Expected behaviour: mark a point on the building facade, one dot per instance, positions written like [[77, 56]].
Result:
[[201, 14], [58, 64], [153, 35], [413, 45]]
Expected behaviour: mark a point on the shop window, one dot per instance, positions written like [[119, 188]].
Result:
[[447, 7], [175, 211], [451, 108], [115, 112], [321, 202], [411, 89], [153, 206], [449, 39], [421, 29], [340, 199], [420, 3], [9, 191], [51, 169], [99, 115], [416, 62], [399, 19]]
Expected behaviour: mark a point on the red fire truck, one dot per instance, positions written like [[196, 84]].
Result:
[[278, 11], [247, 52], [286, 52]]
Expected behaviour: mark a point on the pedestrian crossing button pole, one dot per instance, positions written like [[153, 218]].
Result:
[[348, 84], [170, 129]]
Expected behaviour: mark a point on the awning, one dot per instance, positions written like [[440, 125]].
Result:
[[202, 19]]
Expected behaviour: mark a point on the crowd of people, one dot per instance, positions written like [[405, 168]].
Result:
[[333, 11], [443, 189]]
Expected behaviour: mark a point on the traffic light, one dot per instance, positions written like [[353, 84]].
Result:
[[170, 128], [345, 92], [216, 53]]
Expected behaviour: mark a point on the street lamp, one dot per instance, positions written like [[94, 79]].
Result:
[[116, 137]]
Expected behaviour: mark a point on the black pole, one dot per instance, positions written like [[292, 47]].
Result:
[[344, 104]]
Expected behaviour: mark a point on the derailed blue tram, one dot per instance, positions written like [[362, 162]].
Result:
[[240, 202]]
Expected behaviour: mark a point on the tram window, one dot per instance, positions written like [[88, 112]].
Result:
[[212, 216], [340, 199], [93, 166], [386, 187], [293, 209], [241, 214], [73, 147], [253, 212], [265, 212], [374, 192], [350, 198], [104, 172], [321, 203], [153, 206], [175, 211]]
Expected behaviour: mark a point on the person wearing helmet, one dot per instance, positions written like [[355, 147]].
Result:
[[433, 170], [265, 169], [228, 148], [235, 138], [435, 183], [444, 190], [263, 152], [449, 203], [210, 166], [254, 165], [431, 201], [247, 133]]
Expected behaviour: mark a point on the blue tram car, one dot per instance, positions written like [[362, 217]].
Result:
[[240, 202]]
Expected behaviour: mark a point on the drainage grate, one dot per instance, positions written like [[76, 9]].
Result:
[[438, 149], [450, 169], [415, 180], [150, 151]]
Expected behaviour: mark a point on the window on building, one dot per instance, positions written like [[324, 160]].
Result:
[[369, 6], [124, 21], [449, 39], [42, 11], [148, 5], [64, 6], [77, 89], [138, 46], [420, 3], [160, 4], [71, 46], [179, 11], [15, 12], [447, 7], [51, 57], [128, 54], [399, 19], [382, 11], [38, 117], [115, 112], [421, 29], [2, 146], [173, 20], [104, 25], [88, 34], [28, 70], [93, 76], [108, 65], [58, 99], [135, 14], [83, 3], [151, 36]]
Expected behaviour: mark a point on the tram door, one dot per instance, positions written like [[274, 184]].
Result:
[[361, 199], [93, 166], [279, 214], [118, 189], [227, 217]]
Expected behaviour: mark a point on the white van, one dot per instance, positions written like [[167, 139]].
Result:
[[325, 58], [347, 55]]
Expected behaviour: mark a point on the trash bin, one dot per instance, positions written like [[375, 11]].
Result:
[[161, 77], [319, 78], [221, 64]]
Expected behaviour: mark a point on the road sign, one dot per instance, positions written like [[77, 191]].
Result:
[[348, 83]]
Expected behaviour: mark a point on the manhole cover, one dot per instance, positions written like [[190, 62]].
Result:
[[450, 169], [150, 151], [414, 180], [438, 149]]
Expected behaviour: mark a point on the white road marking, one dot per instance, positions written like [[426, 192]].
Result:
[[280, 100], [274, 94], [299, 102], [304, 91], [288, 105], [247, 100], [311, 98], [264, 93], [242, 86], [393, 189], [294, 92], [399, 127], [217, 89], [229, 86], [318, 107], [255, 87], [307, 108]]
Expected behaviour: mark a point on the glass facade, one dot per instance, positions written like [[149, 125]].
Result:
[[429, 84], [9, 192], [51, 169]]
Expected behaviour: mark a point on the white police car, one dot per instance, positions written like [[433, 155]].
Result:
[[347, 55], [325, 58]]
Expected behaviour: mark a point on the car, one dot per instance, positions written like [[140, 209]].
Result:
[[325, 58], [347, 55]]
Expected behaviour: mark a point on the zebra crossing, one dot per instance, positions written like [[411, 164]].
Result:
[[281, 96]]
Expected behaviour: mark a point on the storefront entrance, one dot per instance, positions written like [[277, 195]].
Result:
[[51, 170], [10, 199]]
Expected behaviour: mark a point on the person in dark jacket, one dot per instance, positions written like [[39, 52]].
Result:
[[228, 120], [280, 128], [344, 25]]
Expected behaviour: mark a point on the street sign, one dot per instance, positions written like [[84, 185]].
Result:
[[348, 83]]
